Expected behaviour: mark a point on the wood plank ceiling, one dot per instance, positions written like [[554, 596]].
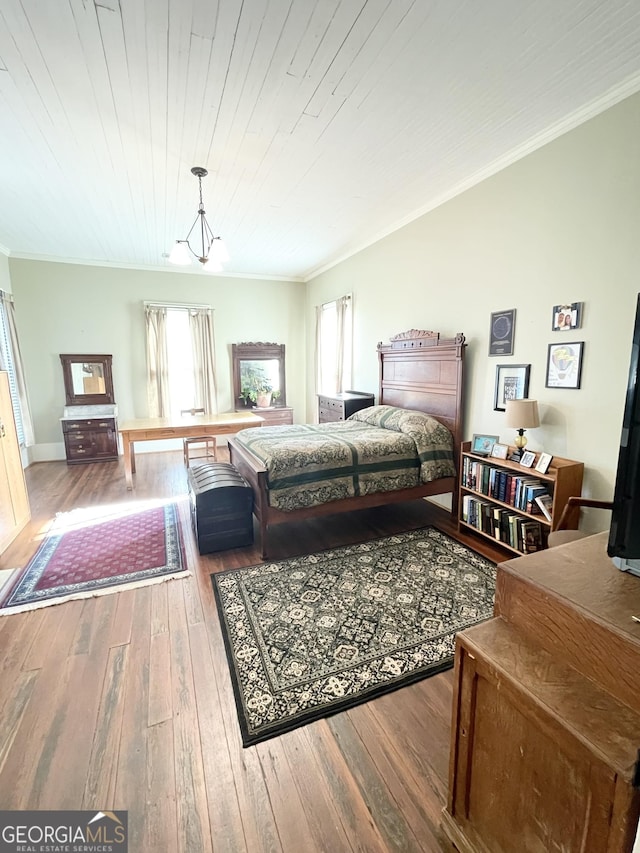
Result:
[[323, 125]]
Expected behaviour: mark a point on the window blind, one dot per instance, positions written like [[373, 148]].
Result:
[[7, 362]]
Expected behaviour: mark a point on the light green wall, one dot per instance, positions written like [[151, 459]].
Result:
[[561, 225], [72, 308]]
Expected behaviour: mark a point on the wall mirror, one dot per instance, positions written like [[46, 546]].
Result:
[[87, 379], [258, 375]]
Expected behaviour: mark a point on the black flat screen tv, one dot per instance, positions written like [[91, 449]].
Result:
[[624, 533]]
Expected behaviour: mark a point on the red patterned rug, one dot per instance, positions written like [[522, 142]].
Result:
[[97, 551]]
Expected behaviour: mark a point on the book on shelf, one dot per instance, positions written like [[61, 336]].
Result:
[[545, 502], [531, 537]]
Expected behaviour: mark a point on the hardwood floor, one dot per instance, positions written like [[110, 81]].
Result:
[[124, 701]]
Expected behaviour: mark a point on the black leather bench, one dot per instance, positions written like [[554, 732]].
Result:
[[221, 507]]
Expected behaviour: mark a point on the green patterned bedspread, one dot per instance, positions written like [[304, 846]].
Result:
[[378, 449]]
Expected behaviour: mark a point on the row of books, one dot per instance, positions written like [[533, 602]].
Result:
[[518, 490], [524, 534]]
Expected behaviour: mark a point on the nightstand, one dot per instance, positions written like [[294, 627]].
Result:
[[339, 407]]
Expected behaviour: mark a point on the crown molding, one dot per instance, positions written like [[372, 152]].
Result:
[[48, 259]]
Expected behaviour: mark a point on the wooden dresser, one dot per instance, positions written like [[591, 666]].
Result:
[[546, 711], [274, 415], [14, 501], [340, 406], [90, 439]]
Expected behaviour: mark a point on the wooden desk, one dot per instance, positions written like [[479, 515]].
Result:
[[546, 716], [155, 429]]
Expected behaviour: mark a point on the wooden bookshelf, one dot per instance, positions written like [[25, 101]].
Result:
[[562, 480]]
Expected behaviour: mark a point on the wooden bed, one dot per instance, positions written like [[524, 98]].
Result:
[[418, 370]]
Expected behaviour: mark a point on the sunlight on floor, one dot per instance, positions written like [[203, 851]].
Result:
[[80, 517]]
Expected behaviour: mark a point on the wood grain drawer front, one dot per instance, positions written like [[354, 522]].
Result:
[[79, 451], [326, 415], [276, 417], [151, 434], [78, 438], [93, 423], [331, 404]]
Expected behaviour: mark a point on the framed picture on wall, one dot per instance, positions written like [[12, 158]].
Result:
[[566, 317], [564, 365], [501, 332], [512, 383]]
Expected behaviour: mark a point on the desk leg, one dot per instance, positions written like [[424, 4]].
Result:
[[129, 464]]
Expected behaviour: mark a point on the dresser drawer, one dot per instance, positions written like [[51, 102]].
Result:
[[75, 439], [327, 415], [88, 423], [79, 452], [330, 404], [277, 416]]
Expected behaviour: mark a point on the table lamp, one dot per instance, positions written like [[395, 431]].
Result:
[[521, 414]]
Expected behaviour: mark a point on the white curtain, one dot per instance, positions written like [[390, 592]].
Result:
[[157, 362], [333, 346], [319, 387], [203, 346], [342, 306], [8, 308]]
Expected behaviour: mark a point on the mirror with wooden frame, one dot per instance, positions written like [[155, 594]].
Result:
[[258, 375], [87, 379]]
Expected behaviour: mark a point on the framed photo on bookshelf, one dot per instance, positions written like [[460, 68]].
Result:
[[500, 451], [564, 365], [512, 383], [482, 445], [543, 463], [528, 458]]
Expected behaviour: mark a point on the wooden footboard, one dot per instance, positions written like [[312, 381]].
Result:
[[255, 473]]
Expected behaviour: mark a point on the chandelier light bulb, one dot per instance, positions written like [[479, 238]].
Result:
[[218, 250], [180, 254], [212, 265]]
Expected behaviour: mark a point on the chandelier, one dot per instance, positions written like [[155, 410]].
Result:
[[211, 251]]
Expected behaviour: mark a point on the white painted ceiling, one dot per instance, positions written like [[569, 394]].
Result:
[[323, 125]]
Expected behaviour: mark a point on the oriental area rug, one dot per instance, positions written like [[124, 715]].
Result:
[[89, 552], [310, 636]]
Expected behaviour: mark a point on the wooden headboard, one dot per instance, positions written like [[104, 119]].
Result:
[[419, 370]]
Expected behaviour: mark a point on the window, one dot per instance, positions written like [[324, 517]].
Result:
[[180, 362], [334, 346], [8, 364]]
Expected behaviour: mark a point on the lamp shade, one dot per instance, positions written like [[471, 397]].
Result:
[[180, 254], [522, 414]]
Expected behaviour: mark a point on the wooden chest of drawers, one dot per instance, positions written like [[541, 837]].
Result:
[[274, 415], [340, 406], [90, 440]]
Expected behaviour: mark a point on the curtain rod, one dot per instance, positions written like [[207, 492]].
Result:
[[332, 301], [186, 306]]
